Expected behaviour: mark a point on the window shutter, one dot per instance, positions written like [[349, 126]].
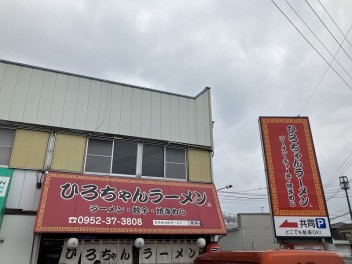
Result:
[[29, 149], [199, 165], [69, 153]]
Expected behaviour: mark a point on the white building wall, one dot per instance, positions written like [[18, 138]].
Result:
[[45, 97], [254, 232], [17, 239], [23, 193]]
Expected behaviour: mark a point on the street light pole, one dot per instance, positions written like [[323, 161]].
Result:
[[345, 185], [226, 187]]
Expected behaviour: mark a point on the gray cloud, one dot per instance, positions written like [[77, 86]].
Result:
[[252, 57]]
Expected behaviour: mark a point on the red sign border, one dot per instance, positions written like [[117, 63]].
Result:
[[39, 228], [264, 121]]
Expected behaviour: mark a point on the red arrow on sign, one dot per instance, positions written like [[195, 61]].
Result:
[[286, 223]]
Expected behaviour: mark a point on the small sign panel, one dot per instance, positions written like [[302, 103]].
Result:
[[301, 226]]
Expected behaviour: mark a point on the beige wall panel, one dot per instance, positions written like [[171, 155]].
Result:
[[46, 98], [81, 107], [156, 116], [68, 117], [126, 111], [7, 90], [57, 107], [115, 109], [165, 117], [69, 153], [199, 165], [146, 114], [29, 149], [33, 98], [104, 109], [20, 95], [183, 119]]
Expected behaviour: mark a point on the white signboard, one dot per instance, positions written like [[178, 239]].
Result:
[[296, 226], [4, 183]]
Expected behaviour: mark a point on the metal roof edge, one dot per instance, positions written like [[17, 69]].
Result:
[[102, 80]]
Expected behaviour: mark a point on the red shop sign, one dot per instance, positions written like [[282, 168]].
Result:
[[293, 175], [99, 204]]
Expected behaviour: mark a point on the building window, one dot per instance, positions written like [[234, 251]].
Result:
[[163, 162], [175, 164], [7, 137], [153, 160], [116, 157]]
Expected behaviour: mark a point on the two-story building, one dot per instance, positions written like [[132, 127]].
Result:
[[94, 171]]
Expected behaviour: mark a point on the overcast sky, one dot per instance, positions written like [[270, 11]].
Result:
[[247, 51]]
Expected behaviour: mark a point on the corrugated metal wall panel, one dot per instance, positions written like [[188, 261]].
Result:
[[146, 114], [8, 89], [20, 96], [183, 119], [65, 100], [104, 109], [57, 107], [68, 116], [2, 72], [165, 117], [201, 123], [192, 120], [93, 106], [155, 131], [207, 119], [126, 111], [33, 97], [81, 107], [46, 98], [115, 111], [174, 119], [136, 116]]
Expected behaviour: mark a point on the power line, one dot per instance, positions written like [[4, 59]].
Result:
[[327, 29], [334, 22], [327, 69], [334, 56], [336, 172], [311, 44]]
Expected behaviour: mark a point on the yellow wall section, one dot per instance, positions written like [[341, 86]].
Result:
[[199, 167], [69, 153], [29, 149]]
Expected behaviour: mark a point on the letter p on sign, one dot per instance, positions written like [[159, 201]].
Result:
[[320, 223]]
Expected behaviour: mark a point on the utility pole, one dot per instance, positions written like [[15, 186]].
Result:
[[345, 185]]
